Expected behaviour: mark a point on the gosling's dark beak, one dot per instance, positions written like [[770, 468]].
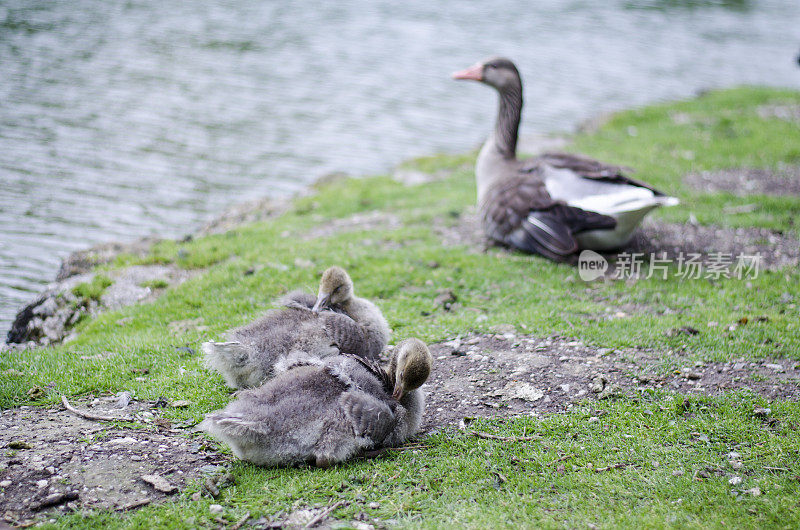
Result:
[[322, 302], [398, 392], [474, 72]]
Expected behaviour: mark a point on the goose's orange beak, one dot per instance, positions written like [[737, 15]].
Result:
[[474, 72]]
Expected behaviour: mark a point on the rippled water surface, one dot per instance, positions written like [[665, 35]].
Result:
[[127, 118]]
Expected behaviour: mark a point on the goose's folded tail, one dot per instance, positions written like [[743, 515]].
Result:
[[664, 200], [227, 426], [224, 355], [232, 361]]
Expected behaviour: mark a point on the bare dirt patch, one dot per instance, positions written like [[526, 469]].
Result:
[[747, 181], [461, 228], [776, 250], [53, 461], [790, 113], [506, 374], [373, 220], [654, 237]]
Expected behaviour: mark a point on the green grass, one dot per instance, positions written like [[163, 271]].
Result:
[[94, 289], [452, 482]]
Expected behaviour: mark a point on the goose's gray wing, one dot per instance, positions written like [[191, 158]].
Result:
[[298, 300], [346, 334], [370, 417], [586, 167], [519, 211]]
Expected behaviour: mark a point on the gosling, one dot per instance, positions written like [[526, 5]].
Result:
[[335, 321], [324, 411]]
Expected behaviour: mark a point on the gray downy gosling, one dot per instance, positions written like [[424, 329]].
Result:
[[324, 411], [335, 321]]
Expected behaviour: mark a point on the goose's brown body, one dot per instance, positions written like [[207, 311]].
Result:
[[556, 203]]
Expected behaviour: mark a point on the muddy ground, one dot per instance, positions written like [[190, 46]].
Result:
[[507, 374], [54, 461], [743, 182]]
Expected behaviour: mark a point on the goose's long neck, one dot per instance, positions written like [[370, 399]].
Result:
[[498, 157], [507, 124]]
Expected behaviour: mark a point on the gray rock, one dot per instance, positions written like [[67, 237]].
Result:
[[46, 308], [598, 384], [123, 399], [161, 484]]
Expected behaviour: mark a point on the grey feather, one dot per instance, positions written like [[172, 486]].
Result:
[[325, 412], [250, 355]]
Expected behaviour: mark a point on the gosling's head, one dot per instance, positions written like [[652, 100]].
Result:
[[336, 287], [410, 365], [497, 72]]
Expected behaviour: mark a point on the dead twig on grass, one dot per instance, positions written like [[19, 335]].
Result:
[[323, 514], [487, 436], [561, 459], [770, 468], [612, 466], [134, 504], [89, 415]]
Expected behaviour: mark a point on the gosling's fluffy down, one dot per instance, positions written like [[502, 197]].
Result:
[[324, 411], [336, 321]]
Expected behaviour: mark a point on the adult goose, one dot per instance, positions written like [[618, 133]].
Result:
[[324, 411], [335, 321], [557, 203]]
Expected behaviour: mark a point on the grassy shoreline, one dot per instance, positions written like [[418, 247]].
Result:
[[389, 237]]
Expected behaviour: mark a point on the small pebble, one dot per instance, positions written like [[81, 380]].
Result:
[[374, 505], [733, 481], [215, 508], [5, 483]]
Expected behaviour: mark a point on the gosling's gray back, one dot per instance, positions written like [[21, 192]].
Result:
[[318, 410], [248, 358]]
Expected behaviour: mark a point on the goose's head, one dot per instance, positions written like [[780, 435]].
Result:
[[336, 287], [410, 366], [497, 72]]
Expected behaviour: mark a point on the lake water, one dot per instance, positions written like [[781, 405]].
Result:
[[120, 119]]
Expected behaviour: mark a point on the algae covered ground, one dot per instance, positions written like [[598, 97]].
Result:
[[646, 456]]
